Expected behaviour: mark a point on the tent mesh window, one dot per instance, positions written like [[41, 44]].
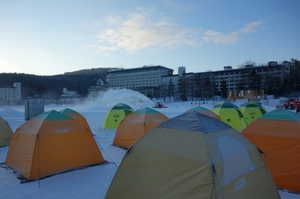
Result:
[[235, 158]]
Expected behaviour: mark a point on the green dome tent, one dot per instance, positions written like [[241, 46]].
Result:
[[115, 115], [231, 115], [252, 111]]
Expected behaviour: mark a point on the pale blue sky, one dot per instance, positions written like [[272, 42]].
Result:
[[52, 37]]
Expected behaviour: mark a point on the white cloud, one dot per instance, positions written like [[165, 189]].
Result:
[[221, 38], [251, 27], [148, 29], [145, 29]]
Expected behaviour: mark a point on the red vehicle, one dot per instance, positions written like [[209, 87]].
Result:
[[289, 104], [159, 105]]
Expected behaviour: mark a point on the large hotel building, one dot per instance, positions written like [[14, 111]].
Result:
[[147, 79]]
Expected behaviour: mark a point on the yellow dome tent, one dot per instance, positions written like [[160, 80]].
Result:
[[115, 115], [252, 111], [231, 115], [192, 156], [6, 133]]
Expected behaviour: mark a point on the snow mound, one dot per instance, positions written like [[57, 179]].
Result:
[[9, 112], [110, 98]]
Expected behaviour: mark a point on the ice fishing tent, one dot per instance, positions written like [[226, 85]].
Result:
[[231, 115], [192, 156], [6, 133], [49, 143], [115, 115], [252, 111], [277, 134], [204, 111], [135, 125], [77, 116]]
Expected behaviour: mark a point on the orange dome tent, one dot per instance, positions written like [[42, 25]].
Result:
[[77, 116], [50, 143], [277, 134], [135, 125]]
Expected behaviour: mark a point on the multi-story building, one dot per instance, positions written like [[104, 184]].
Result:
[[233, 77], [148, 78], [69, 97], [143, 79], [10, 95]]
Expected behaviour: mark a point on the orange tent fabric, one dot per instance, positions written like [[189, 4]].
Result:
[[277, 134], [135, 125], [49, 143], [204, 111], [77, 116]]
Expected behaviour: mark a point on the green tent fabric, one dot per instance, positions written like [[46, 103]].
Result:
[[231, 115], [252, 111], [6, 133], [192, 156], [115, 115]]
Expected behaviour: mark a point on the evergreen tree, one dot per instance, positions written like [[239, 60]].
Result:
[[171, 89], [208, 87], [182, 86], [162, 91], [223, 89], [198, 85], [255, 81]]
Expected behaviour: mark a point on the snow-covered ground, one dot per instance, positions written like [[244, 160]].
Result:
[[91, 182]]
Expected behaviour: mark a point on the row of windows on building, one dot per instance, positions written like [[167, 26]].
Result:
[[136, 78], [10, 94]]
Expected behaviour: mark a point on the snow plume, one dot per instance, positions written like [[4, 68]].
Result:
[[110, 98]]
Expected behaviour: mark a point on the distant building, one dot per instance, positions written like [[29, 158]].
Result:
[[147, 79], [143, 79], [10, 95], [69, 97]]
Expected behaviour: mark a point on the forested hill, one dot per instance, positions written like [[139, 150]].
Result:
[[52, 86]]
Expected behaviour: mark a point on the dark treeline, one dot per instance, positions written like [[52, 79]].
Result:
[[52, 86], [202, 85]]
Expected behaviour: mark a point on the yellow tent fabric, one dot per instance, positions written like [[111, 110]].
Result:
[[135, 125], [49, 143], [252, 111], [277, 134], [231, 115], [6, 133], [192, 156], [115, 115]]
